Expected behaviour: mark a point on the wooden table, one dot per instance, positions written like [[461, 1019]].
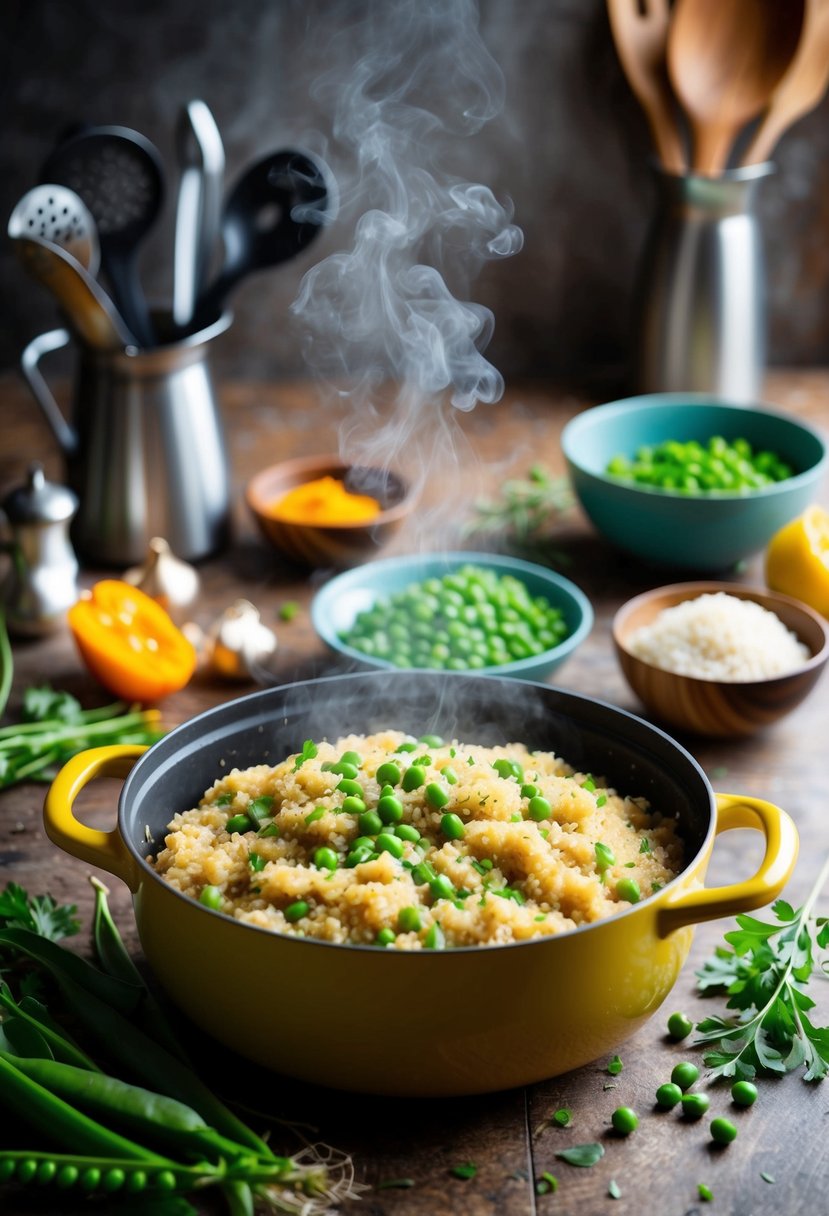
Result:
[[658, 1169]]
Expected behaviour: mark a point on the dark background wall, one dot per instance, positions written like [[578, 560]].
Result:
[[570, 148]]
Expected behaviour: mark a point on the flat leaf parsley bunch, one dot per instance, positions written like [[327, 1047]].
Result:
[[765, 972]]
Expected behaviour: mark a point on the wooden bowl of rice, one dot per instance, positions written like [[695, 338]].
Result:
[[717, 658]]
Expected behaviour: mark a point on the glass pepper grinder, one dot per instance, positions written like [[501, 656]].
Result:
[[40, 584]]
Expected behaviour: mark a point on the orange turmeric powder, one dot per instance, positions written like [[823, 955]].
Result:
[[325, 502]]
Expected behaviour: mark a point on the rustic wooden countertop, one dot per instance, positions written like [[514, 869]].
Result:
[[659, 1167]]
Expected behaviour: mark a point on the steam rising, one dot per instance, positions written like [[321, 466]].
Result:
[[381, 311]]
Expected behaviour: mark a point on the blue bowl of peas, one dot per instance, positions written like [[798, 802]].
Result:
[[690, 481], [453, 612]]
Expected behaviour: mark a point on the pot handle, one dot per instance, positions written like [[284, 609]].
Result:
[[42, 345], [735, 811], [104, 849]]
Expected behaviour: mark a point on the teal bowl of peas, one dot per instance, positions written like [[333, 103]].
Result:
[[453, 612], [690, 481]]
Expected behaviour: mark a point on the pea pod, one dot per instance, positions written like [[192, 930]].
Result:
[[137, 1176], [55, 1118]]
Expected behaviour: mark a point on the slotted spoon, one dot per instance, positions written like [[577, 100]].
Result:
[[118, 174], [59, 215]]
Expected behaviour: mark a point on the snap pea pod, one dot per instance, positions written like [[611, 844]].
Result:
[[114, 958], [156, 1066], [93, 1172], [143, 1113], [57, 1119]]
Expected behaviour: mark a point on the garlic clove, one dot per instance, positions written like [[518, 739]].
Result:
[[172, 582], [238, 641]]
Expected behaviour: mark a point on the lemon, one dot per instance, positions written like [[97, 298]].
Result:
[[797, 559]]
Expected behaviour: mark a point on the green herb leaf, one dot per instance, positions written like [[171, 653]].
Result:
[[583, 1155], [40, 913], [465, 1171], [613, 1189], [705, 1193], [309, 750], [767, 1177]]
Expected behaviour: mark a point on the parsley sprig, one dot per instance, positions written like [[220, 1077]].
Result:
[[764, 973]]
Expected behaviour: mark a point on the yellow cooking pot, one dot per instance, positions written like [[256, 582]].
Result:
[[426, 1022]]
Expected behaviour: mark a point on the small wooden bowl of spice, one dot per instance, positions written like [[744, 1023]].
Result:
[[719, 659], [320, 511]]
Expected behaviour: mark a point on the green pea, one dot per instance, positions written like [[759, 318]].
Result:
[[723, 1131], [436, 795], [529, 790], [624, 1120], [66, 1177], [25, 1169], [668, 1095], [239, 823], [390, 809], [452, 826], [685, 1074], [408, 920], [694, 1106], [46, 1172], [211, 897], [628, 889], [113, 1180], [389, 773], [744, 1093], [356, 857], [431, 740], [325, 858], [441, 887], [506, 768], [165, 1180], [352, 788], [435, 938], [6, 1170], [386, 843], [136, 1181], [344, 769], [386, 937], [679, 1026], [406, 747], [369, 822], [90, 1179], [296, 911], [539, 808], [422, 873], [413, 778], [353, 758], [407, 831]]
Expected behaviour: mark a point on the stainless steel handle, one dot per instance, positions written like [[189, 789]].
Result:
[[42, 345]]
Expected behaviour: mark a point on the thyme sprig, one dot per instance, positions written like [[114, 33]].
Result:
[[764, 973], [525, 508]]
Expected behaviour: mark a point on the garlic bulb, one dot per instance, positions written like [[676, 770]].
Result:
[[238, 641], [168, 579]]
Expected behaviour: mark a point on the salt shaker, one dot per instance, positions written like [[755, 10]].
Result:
[[41, 582]]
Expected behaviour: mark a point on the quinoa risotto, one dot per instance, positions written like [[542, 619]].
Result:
[[417, 844]]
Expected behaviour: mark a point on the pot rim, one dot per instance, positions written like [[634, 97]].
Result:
[[135, 777]]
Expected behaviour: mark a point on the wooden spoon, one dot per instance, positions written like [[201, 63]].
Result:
[[801, 88], [640, 33], [725, 59]]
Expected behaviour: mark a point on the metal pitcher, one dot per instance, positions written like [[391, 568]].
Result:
[[701, 315], [144, 448]]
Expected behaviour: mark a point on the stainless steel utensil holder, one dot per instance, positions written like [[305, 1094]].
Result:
[[701, 320], [144, 447]]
